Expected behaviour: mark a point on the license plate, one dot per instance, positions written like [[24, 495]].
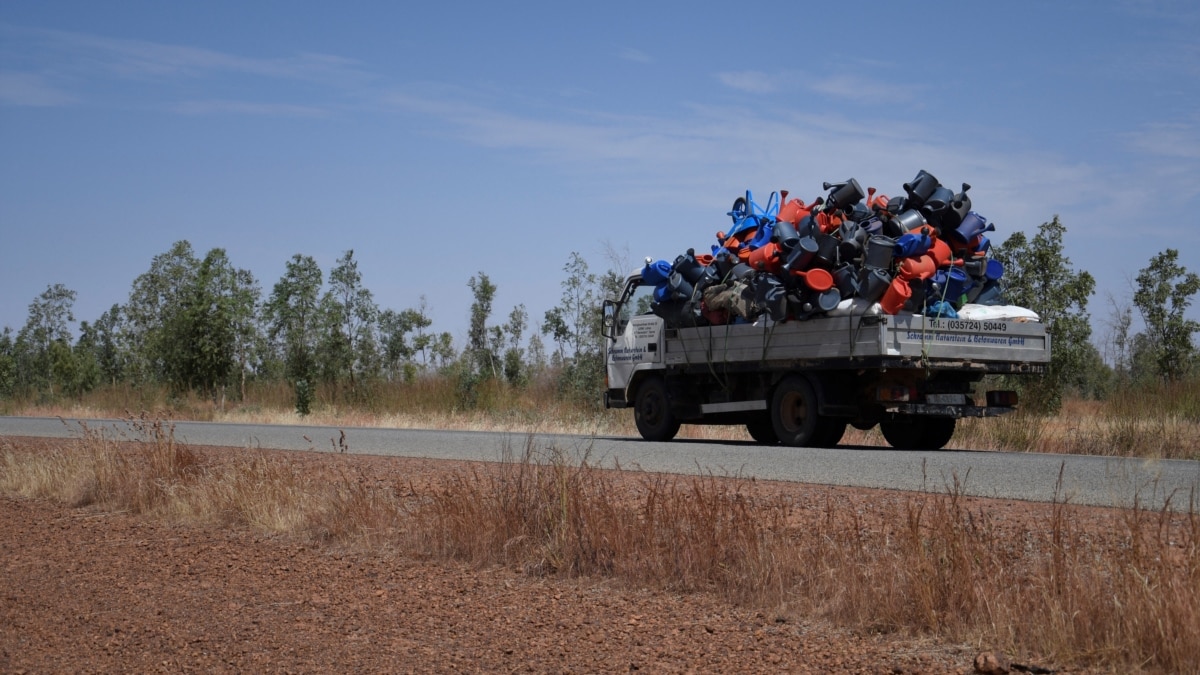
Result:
[[946, 399]]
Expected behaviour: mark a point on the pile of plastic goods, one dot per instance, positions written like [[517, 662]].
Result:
[[925, 252]]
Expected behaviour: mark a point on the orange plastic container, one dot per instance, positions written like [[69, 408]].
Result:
[[897, 294], [767, 258], [817, 279], [921, 267]]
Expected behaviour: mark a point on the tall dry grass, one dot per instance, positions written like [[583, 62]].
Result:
[[1121, 592]]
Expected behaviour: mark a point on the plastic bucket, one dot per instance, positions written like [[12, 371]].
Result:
[[844, 195], [874, 284], [941, 252], [785, 235], [656, 272], [993, 270], [802, 254], [846, 278], [956, 284], [918, 267], [768, 258], [828, 299], [920, 188], [741, 271], [912, 244], [972, 226], [680, 287], [816, 279], [687, 266], [898, 293], [827, 251], [880, 250], [909, 220]]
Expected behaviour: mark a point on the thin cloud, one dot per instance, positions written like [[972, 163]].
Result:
[[635, 55], [217, 107], [1180, 141], [856, 88], [749, 81], [27, 89], [88, 54]]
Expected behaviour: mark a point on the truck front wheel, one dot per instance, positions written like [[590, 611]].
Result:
[[762, 430], [794, 412], [652, 411]]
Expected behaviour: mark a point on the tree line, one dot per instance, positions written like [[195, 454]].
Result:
[[203, 325]]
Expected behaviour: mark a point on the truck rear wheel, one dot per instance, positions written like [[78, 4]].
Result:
[[652, 411], [794, 412], [918, 433], [829, 432]]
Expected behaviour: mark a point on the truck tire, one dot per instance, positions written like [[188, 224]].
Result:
[[652, 411], [918, 433], [829, 432], [762, 430], [794, 412], [938, 432]]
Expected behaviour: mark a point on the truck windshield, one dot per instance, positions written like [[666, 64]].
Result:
[[636, 300]]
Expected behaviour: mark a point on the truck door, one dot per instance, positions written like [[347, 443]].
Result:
[[635, 335]]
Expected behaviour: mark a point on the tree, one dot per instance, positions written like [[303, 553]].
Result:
[[1037, 275], [103, 339], [514, 355], [157, 296], [1164, 292], [48, 324], [292, 317], [8, 363], [348, 344], [575, 326], [570, 324], [478, 348], [399, 351], [199, 339]]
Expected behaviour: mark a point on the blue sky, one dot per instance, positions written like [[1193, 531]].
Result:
[[438, 140]]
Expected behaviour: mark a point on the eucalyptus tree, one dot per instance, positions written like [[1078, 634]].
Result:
[[8, 363], [292, 317], [1164, 293], [348, 344], [479, 348], [1038, 275], [46, 334], [156, 297]]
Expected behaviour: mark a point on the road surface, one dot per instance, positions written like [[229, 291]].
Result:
[[1098, 481]]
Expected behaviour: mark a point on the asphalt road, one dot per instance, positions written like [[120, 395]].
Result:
[[1100, 481]]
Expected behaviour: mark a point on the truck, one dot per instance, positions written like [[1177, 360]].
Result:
[[802, 382]]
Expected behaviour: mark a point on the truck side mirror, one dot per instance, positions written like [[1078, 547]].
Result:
[[609, 321]]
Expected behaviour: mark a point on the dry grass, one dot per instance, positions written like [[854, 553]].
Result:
[[1120, 592], [1160, 421]]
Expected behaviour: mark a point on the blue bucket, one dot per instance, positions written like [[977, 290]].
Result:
[[911, 245], [956, 284], [656, 272], [994, 269]]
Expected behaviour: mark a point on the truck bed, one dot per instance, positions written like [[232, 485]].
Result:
[[879, 340]]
